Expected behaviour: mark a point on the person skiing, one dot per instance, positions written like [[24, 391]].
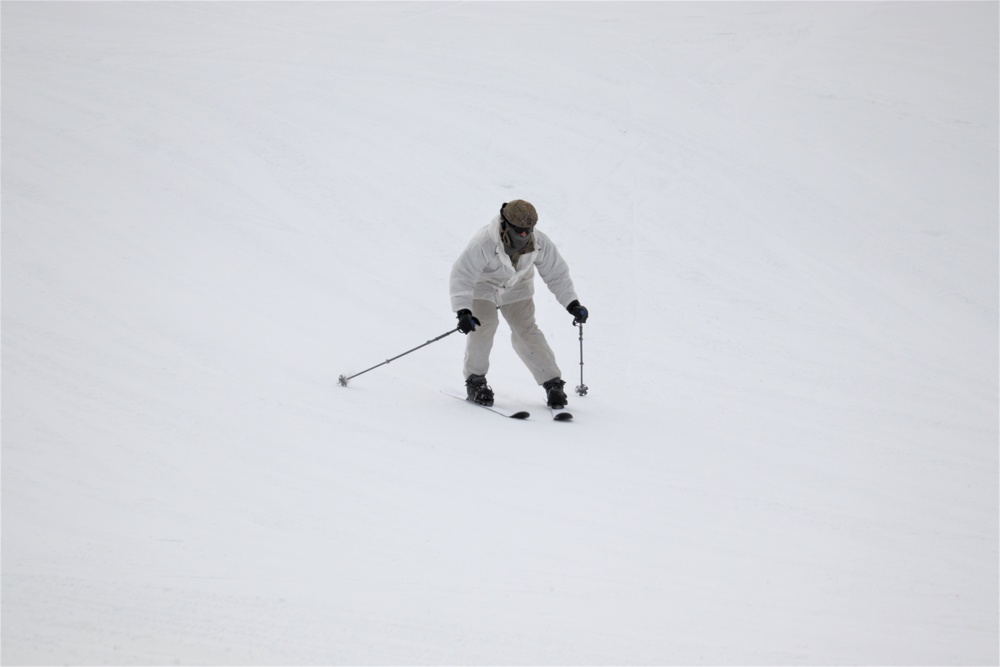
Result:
[[496, 271]]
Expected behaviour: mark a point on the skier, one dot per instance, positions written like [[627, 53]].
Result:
[[496, 272]]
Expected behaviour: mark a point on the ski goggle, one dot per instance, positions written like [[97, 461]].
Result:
[[520, 231]]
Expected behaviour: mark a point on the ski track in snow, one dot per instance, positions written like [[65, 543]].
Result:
[[782, 216]]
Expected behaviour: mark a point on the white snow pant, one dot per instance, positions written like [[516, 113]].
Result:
[[528, 340]]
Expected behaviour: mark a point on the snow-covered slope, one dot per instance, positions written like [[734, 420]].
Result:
[[783, 217]]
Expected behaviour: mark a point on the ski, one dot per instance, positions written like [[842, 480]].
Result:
[[561, 414], [512, 414]]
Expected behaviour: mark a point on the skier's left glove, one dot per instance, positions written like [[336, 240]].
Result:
[[578, 312]]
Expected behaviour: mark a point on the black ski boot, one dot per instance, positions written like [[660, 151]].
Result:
[[478, 391], [554, 394]]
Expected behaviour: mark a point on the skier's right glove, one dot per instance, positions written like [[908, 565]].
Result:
[[466, 322]]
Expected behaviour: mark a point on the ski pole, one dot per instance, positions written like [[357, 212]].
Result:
[[582, 388], [343, 380]]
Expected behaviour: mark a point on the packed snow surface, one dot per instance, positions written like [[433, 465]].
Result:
[[783, 218]]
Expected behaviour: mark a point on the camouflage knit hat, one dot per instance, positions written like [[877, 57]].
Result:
[[519, 213]]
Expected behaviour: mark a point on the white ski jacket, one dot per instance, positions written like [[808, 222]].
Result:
[[484, 271]]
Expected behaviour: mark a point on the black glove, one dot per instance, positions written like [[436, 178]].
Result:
[[466, 322], [578, 312]]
